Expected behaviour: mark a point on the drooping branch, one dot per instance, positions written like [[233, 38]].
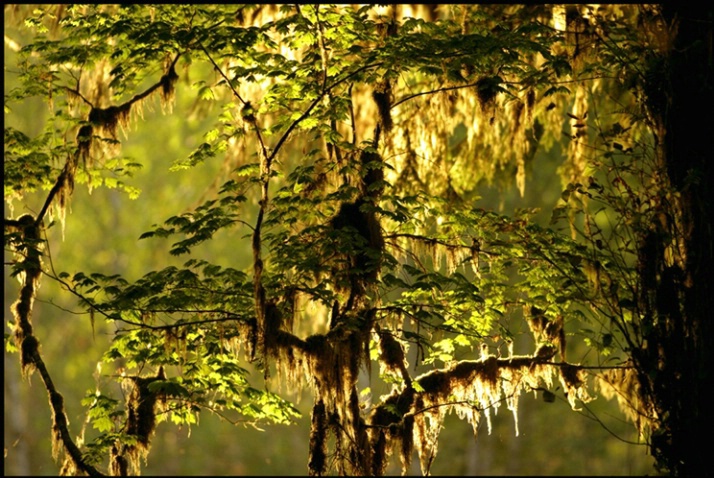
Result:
[[226, 316]]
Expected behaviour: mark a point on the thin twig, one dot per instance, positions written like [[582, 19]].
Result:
[[219, 70]]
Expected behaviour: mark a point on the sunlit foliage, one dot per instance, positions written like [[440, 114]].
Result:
[[357, 138]]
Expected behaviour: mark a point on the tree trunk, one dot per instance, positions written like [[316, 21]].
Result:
[[679, 353]]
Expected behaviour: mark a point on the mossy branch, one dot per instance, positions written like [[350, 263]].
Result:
[[60, 425]]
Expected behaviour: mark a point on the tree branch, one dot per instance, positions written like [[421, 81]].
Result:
[[60, 422]]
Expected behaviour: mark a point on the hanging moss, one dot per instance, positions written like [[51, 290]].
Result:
[[168, 82], [379, 452], [372, 173], [107, 119], [622, 383], [391, 355], [84, 141], [59, 421], [273, 323], [365, 262], [141, 415], [360, 451], [28, 350], [487, 88]]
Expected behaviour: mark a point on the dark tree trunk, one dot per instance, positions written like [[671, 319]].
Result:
[[678, 359]]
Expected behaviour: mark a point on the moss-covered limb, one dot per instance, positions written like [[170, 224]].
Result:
[[330, 362], [107, 119], [166, 84], [410, 417], [468, 371], [60, 424], [30, 357], [487, 369], [27, 248], [104, 119]]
